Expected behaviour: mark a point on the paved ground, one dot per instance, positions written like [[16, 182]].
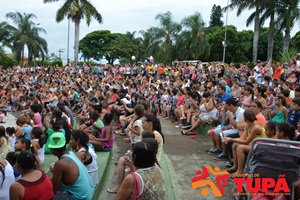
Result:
[[184, 157], [11, 121]]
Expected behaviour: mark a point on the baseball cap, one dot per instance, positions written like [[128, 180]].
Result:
[[57, 140]]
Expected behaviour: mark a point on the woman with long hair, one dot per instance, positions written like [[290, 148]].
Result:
[[79, 143], [152, 123], [280, 112], [144, 159], [243, 144]]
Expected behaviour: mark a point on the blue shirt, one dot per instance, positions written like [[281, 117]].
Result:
[[293, 117], [225, 97], [83, 187]]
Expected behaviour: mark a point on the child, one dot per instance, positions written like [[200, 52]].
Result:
[[37, 143], [98, 124], [135, 126], [12, 138], [270, 129], [106, 140], [3, 117], [294, 112], [11, 157], [4, 143], [285, 131]]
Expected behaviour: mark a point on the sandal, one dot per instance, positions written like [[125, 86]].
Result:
[[111, 192], [231, 170], [188, 134], [119, 133]]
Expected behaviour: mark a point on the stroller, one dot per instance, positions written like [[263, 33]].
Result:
[[274, 159]]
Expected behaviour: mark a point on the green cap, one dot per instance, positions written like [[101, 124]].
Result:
[[57, 140]]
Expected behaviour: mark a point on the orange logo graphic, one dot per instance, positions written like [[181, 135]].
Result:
[[201, 181]]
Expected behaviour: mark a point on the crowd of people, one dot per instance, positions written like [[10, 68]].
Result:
[[71, 106]]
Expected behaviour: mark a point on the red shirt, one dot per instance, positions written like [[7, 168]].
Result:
[[39, 189]]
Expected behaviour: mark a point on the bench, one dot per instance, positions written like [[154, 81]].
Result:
[[204, 129]]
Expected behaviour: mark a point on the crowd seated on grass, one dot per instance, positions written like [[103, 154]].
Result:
[[236, 103]]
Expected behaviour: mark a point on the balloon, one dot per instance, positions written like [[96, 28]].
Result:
[[132, 57]]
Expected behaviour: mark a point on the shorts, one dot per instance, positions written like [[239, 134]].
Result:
[[233, 133], [207, 116], [106, 149]]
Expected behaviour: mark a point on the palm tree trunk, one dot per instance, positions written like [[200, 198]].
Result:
[[76, 42], [23, 48], [256, 36], [271, 38], [286, 41]]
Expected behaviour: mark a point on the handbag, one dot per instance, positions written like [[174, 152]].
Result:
[[136, 188]]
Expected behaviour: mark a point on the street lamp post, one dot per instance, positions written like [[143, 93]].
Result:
[[225, 35], [68, 39]]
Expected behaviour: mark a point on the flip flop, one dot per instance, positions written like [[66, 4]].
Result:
[[119, 133], [188, 134], [111, 192], [231, 170]]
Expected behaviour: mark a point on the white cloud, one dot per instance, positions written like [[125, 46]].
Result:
[[118, 16]]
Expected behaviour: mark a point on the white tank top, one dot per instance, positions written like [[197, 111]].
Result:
[[93, 166], [41, 152]]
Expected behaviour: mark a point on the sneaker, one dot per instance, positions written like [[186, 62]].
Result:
[[178, 126], [186, 126], [183, 117], [229, 164], [176, 122], [222, 156], [215, 151]]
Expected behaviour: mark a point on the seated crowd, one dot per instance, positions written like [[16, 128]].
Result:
[[74, 108]]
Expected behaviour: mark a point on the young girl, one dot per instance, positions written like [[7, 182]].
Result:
[[3, 117], [270, 129], [12, 138], [285, 131], [37, 143], [280, 112], [135, 127], [106, 140], [4, 143]]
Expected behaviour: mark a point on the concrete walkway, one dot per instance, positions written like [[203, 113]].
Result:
[[184, 156], [11, 121]]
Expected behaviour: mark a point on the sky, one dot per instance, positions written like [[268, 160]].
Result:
[[119, 16]]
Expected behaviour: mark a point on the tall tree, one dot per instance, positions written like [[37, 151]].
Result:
[[168, 29], [242, 5], [77, 10], [194, 38], [26, 34], [215, 16], [268, 11], [288, 14]]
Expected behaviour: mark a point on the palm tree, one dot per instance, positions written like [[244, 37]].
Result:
[[77, 10], [194, 38], [26, 33], [268, 10], [167, 33], [255, 16], [288, 14], [137, 42]]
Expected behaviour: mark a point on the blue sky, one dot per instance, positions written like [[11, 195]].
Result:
[[118, 16]]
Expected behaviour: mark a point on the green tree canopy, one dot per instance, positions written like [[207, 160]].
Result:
[[215, 16], [104, 44]]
